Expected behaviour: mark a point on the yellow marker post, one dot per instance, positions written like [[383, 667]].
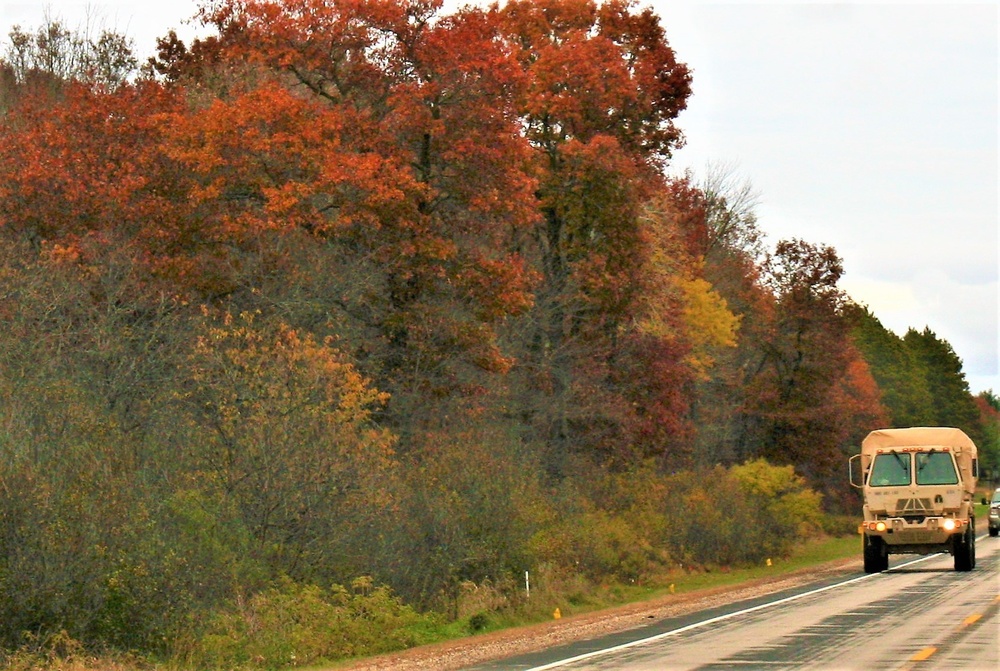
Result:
[[556, 614]]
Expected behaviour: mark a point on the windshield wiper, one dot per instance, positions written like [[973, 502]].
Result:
[[923, 464], [902, 463]]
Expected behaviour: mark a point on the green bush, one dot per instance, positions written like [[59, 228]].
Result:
[[600, 545], [292, 624], [841, 525], [786, 496], [738, 516], [711, 523]]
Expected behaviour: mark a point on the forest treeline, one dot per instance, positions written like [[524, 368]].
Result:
[[359, 307]]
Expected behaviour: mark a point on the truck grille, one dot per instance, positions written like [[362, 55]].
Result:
[[906, 507]]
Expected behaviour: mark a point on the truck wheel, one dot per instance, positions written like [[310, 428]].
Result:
[[876, 560], [965, 551], [994, 532]]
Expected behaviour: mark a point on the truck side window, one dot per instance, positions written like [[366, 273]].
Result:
[[936, 468], [890, 470]]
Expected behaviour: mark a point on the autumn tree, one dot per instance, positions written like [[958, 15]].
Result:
[[720, 229], [281, 425], [681, 314], [387, 135], [453, 163], [812, 395], [85, 166], [601, 93]]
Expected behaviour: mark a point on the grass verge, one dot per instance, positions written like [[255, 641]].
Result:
[[807, 555], [427, 630]]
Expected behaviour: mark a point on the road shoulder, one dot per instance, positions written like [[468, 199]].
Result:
[[483, 648]]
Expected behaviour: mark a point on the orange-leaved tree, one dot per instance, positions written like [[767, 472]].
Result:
[[404, 159], [79, 164], [281, 425], [602, 90], [811, 396]]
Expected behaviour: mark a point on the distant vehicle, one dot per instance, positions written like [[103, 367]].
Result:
[[995, 513], [918, 485]]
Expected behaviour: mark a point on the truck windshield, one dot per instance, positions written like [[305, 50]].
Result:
[[890, 470], [936, 468]]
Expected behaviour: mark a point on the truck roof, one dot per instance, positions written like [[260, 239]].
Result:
[[918, 436]]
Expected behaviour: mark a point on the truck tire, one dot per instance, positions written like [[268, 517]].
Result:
[[994, 532], [965, 551], [876, 558]]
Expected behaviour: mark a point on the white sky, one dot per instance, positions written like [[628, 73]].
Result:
[[868, 127]]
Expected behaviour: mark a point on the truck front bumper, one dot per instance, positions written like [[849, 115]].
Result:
[[903, 536]]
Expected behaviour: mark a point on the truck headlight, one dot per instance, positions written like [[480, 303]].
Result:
[[948, 524]]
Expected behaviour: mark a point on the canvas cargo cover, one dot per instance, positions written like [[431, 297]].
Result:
[[918, 436]]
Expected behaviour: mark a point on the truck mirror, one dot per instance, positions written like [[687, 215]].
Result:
[[857, 479]]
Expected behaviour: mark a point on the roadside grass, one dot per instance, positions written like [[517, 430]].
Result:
[[682, 581], [587, 599], [982, 511], [806, 556], [540, 607]]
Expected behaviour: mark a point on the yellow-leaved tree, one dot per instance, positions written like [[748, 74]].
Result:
[[676, 286], [710, 325]]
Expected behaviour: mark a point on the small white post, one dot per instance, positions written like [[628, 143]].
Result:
[[527, 585]]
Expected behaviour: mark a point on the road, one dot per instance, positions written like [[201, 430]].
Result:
[[920, 615]]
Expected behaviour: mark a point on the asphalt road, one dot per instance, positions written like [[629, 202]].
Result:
[[920, 615]]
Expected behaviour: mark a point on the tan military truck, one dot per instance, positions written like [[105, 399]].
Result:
[[918, 486]]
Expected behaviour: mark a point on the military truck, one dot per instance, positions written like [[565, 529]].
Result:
[[918, 486]]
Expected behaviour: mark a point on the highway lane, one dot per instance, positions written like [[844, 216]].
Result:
[[921, 615]]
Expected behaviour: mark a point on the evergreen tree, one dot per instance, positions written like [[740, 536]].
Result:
[[899, 373], [951, 401]]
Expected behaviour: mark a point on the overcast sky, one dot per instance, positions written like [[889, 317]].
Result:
[[869, 128]]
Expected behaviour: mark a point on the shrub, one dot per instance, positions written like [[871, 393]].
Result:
[[710, 521], [600, 545], [738, 516], [293, 624]]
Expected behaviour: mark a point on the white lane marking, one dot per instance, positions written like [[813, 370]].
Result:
[[720, 618]]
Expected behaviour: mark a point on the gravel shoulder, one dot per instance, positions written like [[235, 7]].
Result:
[[461, 653]]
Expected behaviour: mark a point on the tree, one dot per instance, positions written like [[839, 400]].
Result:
[[282, 426], [951, 402], [730, 204], [723, 232], [685, 328], [86, 366], [812, 395], [54, 56], [84, 166], [899, 373], [401, 155], [989, 445], [602, 89]]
